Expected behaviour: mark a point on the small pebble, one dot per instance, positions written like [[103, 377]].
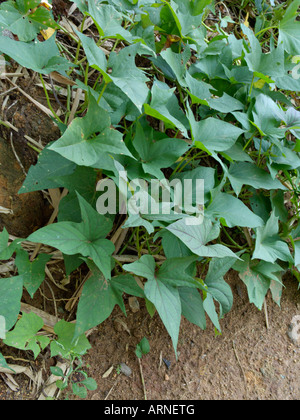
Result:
[[167, 363], [134, 304], [125, 369]]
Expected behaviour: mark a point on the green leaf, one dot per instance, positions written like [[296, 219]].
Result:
[[79, 144], [164, 106], [257, 286], [142, 348], [96, 303], [271, 64], [165, 297], [233, 210], [260, 204], [3, 363], [167, 302], [79, 390], [99, 298], [186, 14], [82, 181], [192, 306], [145, 346], [213, 134], [17, 17], [289, 29], [268, 245], [16, 22], [244, 173], [155, 155], [24, 335], [198, 90], [204, 173], [11, 292], [128, 77], [173, 272], [195, 237], [6, 251], [138, 352], [65, 344], [225, 104], [210, 309], [33, 273], [216, 284], [177, 62], [90, 384], [284, 158], [57, 371], [173, 246], [236, 153], [292, 120], [25, 5], [95, 56], [278, 205], [257, 277], [135, 220], [85, 238], [42, 57], [82, 5], [44, 174], [267, 117], [108, 21]]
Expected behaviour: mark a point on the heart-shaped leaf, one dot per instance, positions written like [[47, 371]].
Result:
[[85, 238], [87, 138]]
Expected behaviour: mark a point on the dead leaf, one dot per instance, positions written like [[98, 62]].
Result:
[[122, 323], [10, 382], [47, 33], [61, 79], [108, 372], [5, 210], [50, 387]]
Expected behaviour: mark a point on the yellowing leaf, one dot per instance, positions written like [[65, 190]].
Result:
[[259, 84], [246, 23], [174, 38], [47, 33], [46, 5], [296, 59]]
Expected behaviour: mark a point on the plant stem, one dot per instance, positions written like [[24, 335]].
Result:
[[249, 141], [79, 43], [142, 378], [48, 101], [231, 239], [251, 88], [266, 29], [101, 93]]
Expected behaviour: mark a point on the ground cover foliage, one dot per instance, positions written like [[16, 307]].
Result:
[[165, 97]]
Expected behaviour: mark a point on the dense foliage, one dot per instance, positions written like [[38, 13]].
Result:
[[166, 97]]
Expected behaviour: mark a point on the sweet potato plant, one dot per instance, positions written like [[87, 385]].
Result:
[[158, 97]]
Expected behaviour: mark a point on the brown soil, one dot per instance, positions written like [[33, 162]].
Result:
[[11, 180], [16, 157], [248, 361]]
